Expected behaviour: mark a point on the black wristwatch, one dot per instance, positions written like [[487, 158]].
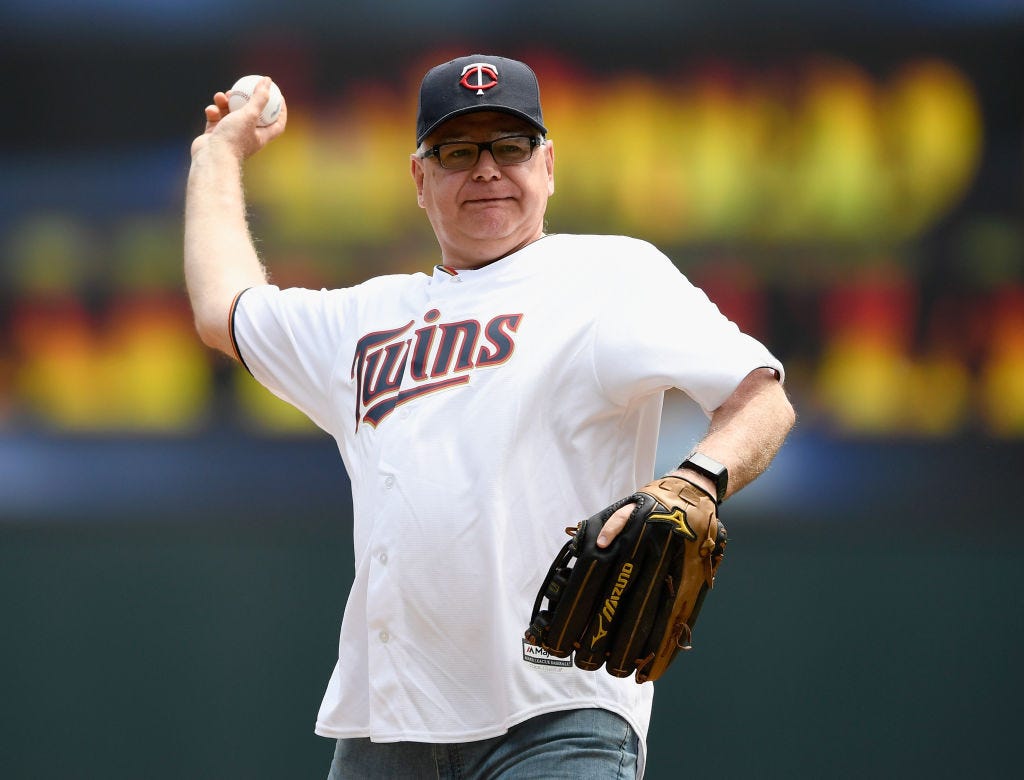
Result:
[[711, 469]]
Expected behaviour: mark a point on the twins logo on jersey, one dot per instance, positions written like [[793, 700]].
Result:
[[437, 356]]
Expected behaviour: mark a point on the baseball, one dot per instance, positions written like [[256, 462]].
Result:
[[240, 93]]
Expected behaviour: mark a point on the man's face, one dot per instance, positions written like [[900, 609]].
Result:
[[489, 210]]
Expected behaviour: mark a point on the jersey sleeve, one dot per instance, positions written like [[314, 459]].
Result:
[[659, 331], [289, 341]]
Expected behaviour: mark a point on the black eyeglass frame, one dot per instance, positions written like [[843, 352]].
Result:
[[435, 150]]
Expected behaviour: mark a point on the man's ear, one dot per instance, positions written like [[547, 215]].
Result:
[[549, 162], [416, 169]]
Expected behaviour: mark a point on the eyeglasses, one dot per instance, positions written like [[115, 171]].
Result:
[[463, 155]]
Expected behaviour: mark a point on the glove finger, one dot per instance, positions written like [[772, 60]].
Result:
[[656, 552]]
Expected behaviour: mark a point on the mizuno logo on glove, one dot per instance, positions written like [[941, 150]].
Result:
[[612, 602]]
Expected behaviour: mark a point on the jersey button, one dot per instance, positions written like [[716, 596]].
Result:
[[384, 636], [389, 481], [383, 557]]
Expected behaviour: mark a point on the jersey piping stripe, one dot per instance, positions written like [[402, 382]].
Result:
[[231, 330]]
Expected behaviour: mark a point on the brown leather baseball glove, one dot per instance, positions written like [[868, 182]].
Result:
[[631, 606]]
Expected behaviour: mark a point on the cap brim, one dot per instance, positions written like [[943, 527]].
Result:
[[474, 109]]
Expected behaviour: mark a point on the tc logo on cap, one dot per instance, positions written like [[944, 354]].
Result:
[[479, 70]]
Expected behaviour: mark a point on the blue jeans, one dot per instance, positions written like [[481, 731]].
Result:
[[588, 743]]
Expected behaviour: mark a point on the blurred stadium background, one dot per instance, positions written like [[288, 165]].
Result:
[[845, 179]]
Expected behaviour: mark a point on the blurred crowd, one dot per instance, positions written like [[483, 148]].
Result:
[[831, 211]]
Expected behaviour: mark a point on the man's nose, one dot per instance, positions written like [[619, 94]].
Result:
[[486, 167]]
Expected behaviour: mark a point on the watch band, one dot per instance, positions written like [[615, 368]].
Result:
[[711, 469]]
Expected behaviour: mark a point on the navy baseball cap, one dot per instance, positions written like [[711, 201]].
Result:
[[479, 82]]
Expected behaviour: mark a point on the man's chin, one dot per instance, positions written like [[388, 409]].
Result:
[[489, 225]]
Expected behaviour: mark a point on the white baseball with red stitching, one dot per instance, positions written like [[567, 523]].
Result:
[[242, 90]]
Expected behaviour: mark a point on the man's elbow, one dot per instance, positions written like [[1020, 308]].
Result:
[[774, 404], [785, 412], [214, 331]]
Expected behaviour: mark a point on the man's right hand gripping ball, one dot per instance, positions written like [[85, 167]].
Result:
[[631, 606]]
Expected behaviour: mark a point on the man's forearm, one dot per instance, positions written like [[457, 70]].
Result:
[[220, 259], [747, 431]]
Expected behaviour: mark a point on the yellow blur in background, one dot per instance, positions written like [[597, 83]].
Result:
[[822, 182]]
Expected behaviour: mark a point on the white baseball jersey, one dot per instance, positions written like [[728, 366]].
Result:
[[478, 414]]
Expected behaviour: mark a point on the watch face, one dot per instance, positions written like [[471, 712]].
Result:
[[710, 468], [706, 464]]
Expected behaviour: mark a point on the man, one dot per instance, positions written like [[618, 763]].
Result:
[[478, 409]]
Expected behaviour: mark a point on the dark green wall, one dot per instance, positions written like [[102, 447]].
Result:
[[176, 651]]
